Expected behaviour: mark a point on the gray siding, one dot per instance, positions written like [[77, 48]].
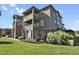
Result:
[[53, 19], [46, 18]]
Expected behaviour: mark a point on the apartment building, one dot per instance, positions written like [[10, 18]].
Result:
[[36, 23]]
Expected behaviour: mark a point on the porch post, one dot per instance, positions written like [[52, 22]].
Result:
[[14, 29], [32, 21]]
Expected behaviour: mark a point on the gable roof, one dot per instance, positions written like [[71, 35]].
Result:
[[17, 17], [58, 13], [36, 9], [30, 9], [48, 7]]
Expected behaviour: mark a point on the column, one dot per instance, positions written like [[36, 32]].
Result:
[[32, 21]]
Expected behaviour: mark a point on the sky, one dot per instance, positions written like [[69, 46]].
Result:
[[69, 13]]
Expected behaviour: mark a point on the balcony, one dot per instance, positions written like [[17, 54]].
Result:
[[28, 17], [28, 27]]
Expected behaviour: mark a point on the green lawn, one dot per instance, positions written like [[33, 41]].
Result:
[[14, 47]]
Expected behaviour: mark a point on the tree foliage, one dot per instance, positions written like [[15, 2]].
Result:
[[4, 32]]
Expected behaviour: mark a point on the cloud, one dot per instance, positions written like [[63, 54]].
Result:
[[61, 11], [14, 5], [12, 12], [19, 10], [10, 26], [16, 9], [4, 8], [77, 21]]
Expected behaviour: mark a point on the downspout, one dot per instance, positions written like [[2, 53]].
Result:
[[56, 21]]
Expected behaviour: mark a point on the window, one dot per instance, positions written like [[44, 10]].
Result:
[[41, 14], [37, 24], [58, 18], [55, 20], [58, 22], [41, 22], [54, 15]]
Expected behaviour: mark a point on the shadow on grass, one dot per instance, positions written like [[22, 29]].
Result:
[[4, 42], [33, 42]]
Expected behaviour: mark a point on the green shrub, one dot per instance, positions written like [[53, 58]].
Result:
[[58, 37], [76, 41], [50, 37]]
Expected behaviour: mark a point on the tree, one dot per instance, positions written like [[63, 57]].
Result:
[[0, 13], [6, 31], [3, 33], [70, 32], [0, 32]]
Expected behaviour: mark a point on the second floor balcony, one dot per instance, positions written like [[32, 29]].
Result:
[[28, 17], [28, 27], [31, 16]]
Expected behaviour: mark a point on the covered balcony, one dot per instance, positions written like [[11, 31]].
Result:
[[31, 13]]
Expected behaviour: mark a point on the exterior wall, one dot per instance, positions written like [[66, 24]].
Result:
[[17, 28], [28, 28], [36, 34], [40, 31], [55, 20], [46, 17]]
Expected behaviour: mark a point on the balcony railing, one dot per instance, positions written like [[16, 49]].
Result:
[[28, 17], [28, 27]]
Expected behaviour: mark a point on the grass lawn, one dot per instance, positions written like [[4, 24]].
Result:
[[15, 47]]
